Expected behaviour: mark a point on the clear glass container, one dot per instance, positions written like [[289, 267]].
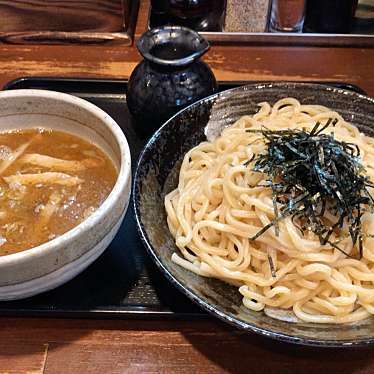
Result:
[[287, 15]]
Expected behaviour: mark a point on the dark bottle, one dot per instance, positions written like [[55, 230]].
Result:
[[329, 16], [199, 15], [159, 6], [159, 16], [170, 77]]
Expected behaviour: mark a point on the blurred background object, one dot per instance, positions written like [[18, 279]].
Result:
[[246, 15], [287, 15], [63, 22], [271, 22], [329, 16], [364, 17], [199, 15]]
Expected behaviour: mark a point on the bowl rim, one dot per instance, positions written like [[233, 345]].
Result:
[[123, 177], [214, 309], [254, 86]]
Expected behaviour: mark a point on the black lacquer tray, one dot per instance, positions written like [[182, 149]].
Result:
[[123, 282]]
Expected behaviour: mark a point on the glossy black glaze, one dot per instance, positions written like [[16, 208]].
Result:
[[157, 174], [170, 77]]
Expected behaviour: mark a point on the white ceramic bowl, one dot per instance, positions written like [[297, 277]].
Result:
[[53, 263]]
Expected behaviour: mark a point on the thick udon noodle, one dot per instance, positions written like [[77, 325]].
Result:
[[214, 211]]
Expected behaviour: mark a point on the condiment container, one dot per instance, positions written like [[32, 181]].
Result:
[[170, 77], [287, 15]]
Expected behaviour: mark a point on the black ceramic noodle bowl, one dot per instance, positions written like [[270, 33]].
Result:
[[157, 174], [170, 77]]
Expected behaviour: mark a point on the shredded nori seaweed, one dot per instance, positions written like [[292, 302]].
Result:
[[310, 173]]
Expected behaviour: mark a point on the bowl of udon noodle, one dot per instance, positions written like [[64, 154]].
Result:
[[65, 181], [257, 203]]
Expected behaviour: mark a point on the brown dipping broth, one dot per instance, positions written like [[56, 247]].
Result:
[[34, 213]]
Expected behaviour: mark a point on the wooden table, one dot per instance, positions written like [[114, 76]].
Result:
[[36, 345]]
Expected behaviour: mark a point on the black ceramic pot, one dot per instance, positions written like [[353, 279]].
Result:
[[170, 77]]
